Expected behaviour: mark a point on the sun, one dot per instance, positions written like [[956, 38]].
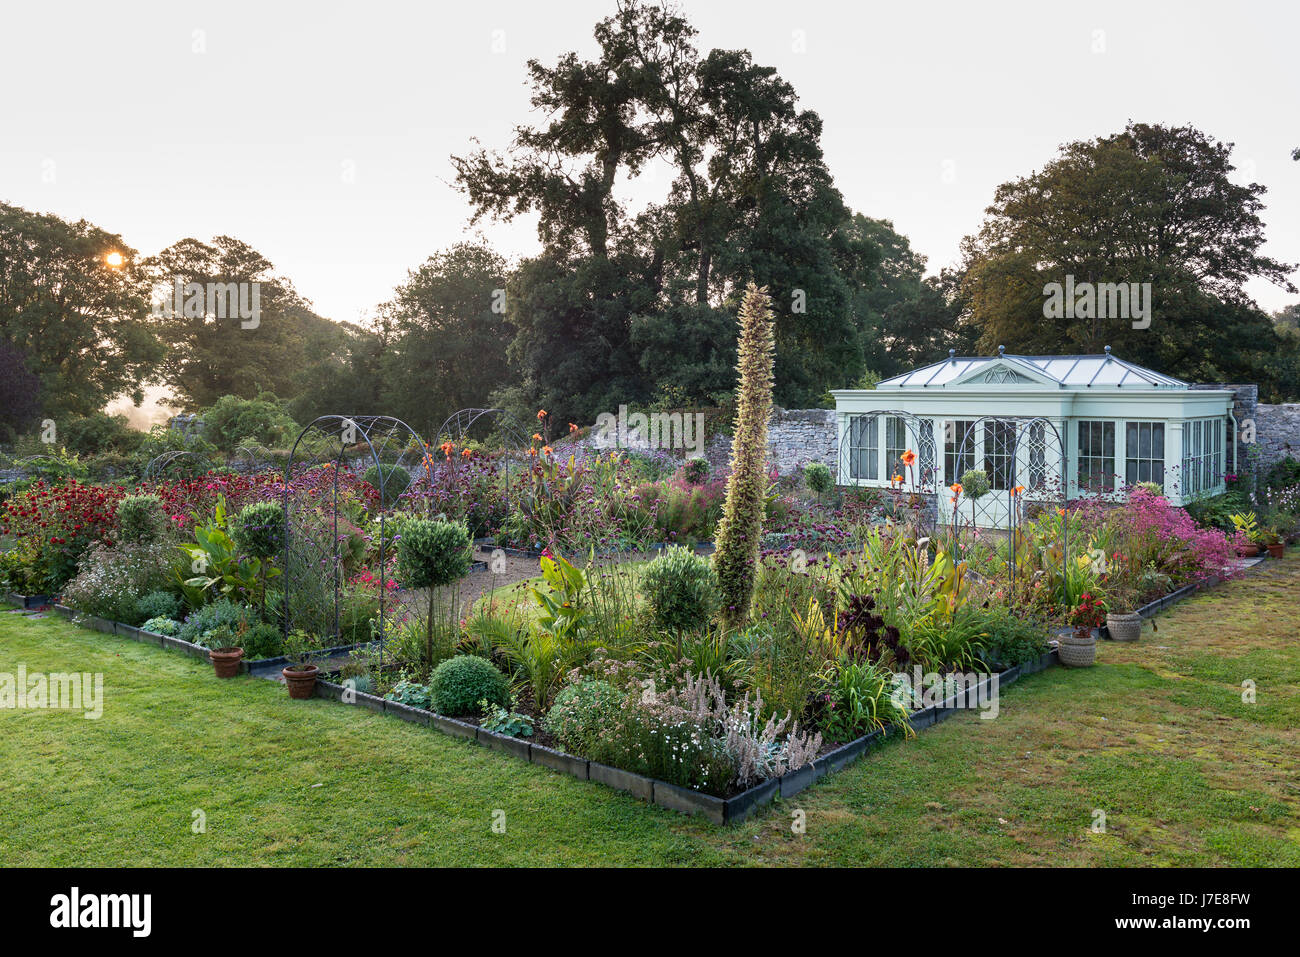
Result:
[[114, 259]]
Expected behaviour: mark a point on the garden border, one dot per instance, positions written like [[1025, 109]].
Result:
[[730, 810]]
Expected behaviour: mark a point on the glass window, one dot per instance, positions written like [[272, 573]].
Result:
[[1000, 453], [864, 447], [895, 446], [1096, 456], [1037, 454], [958, 448], [925, 454], [1144, 453]]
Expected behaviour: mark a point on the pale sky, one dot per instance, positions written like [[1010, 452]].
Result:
[[320, 132]]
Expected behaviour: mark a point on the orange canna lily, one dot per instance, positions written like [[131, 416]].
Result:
[[541, 413], [572, 427], [546, 450], [532, 452], [536, 437], [909, 458], [1017, 490], [956, 487], [465, 453]]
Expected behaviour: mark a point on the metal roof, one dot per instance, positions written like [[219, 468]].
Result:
[[1067, 372]]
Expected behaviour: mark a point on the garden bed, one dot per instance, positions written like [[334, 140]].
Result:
[[720, 810]]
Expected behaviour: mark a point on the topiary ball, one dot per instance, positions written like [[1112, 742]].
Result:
[[818, 477], [431, 553], [141, 519], [460, 683], [259, 529], [391, 480], [681, 590]]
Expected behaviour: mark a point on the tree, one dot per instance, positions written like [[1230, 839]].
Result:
[[750, 199], [449, 336], [1152, 204], [214, 348], [76, 312], [740, 530], [20, 393]]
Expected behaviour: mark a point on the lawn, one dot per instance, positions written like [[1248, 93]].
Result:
[[1156, 736]]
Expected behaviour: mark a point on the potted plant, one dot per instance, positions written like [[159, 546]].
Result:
[[224, 651], [1079, 650], [1273, 542], [1122, 620], [1248, 527], [300, 673]]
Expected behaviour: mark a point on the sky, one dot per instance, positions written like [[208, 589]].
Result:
[[320, 133]]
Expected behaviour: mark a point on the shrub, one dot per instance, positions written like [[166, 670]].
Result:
[[258, 529], [162, 626], [740, 530], [140, 519], [111, 579], [232, 421], [681, 590], [199, 625], [158, 604], [818, 477], [582, 715], [696, 471], [392, 480], [101, 432], [410, 693], [432, 553], [1009, 640], [459, 684], [262, 640], [975, 483]]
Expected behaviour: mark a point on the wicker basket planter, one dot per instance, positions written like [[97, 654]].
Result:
[[1124, 627], [1078, 650]]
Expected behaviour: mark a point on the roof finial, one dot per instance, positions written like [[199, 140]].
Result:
[[1107, 350], [1001, 350], [951, 354]]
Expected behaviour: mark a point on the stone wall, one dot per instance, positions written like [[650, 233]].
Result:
[[795, 437], [1277, 431]]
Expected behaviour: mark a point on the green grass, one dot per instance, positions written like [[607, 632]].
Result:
[[1156, 736]]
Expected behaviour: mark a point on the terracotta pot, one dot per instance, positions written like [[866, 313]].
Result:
[[225, 661], [1078, 650], [1124, 626], [302, 682], [1276, 551], [1247, 551]]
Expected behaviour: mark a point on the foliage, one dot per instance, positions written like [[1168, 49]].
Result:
[[157, 604], [458, 685], [410, 693], [500, 721], [856, 697], [258, 530], [696, 471], [100, 432], [299, 647], [20, 392], [55, 525], [83, 325], [432, 553], [111, 579], [223, 612], [141, 520], [582, 713], [393, 483], [681, 590], [817, 476], [740, 529], [232, 421], [1010, 640], [162, 626], [1195, 234]]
